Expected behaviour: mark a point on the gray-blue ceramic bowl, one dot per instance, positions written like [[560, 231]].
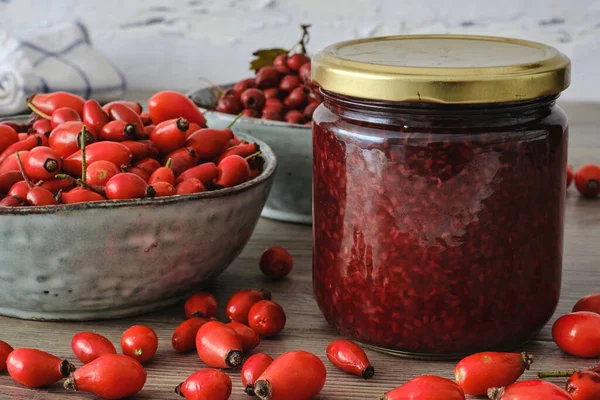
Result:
[[114, 259], [291, 196]]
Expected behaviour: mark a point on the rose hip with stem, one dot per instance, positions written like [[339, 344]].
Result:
[[587, 180], [201, 304], [206, 384], [297, 375], [578, 334], [219, 346], [252, 369], [239, 304], [111, 376], [529, 390], [117, 131], [477, 373], [163, 174], [350, 358], [88, 346], [139, 342], [36, 368], [5, 350], [426, 387], [170, 135], [267, 318], [184, 337], [589, 303], [276, 262]]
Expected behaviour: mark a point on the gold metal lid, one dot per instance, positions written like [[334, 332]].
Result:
[[453, 69]]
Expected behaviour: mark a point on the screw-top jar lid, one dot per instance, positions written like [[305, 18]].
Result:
[[442, 68]]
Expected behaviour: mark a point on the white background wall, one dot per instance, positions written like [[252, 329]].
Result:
[[170, 44]]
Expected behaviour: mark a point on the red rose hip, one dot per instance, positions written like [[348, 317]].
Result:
[[140, 343], [350, 358], [584, 385], [239, 304], [233, 170], [253, 99], [427, 387], [184, 337], [206, 384], [529, 390], [36, 368], [578, 334], [170, 135], [201, 305], [219, 346], [276, 262], [42, 163], [250, 338], [253, 369], [5, 350], [267, 318], [88, 346], [127, 185], [589, 303], [587, 180]]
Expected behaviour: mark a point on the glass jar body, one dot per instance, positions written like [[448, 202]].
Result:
[[438, 229]]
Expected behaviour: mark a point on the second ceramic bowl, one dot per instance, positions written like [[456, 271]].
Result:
[[291, 195]]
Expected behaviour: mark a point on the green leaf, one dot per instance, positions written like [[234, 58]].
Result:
[[265, 58]]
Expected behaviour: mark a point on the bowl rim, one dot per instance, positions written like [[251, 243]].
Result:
[[267, 172], [243, 119]]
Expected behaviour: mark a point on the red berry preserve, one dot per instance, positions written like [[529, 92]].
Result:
[[439, 187]]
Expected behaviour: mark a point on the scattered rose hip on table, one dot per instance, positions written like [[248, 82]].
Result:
[[578, 334], [297, 375], [253, 369], [350, 358], [201, 304], [250, 338], [184, 337], [477, 373], [36, 368], [206, 384], [529, 390], [111, 376], [5, 350], [140, 343], [587, 180], [589, 303], [584, 385], [87, 346], [276, 262], [267, 318], [427, 387], [239, 304], [219, 346]]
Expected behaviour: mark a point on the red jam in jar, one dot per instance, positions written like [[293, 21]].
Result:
[[439, 186]]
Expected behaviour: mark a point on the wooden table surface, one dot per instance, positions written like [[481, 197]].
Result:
[[306, 328]]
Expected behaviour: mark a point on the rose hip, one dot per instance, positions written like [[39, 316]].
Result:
[[274, 104], [108, 151], [253, 99], [43, 126], [578, 334], [426, 387], [138, 150], [5, 350], [117, 131], [529, 390], [62, 115], [164, 189], [297, 99], [44, 104], [111, 376], [121, 112], [219, 346], [42, 163], [66, 138], [243, 150], [141, 173], [233, 170], [584, 385], [271, 114], [36, 368], [139, 342], [477, 373], [276, 262], [249, 113], [38, 196], [252, 369], [587, 180], [163, 174], [240, 303], [289, 83], [267, 77], [229, 104], [250, 338], [11, 164], [209, 143], [206, 384], [267, 318], [23, 145], [184, 337], [182, 159], [88, 346], [309, 110], [350, 358], [271, 93], [137, 107], [8, 136], [242, 85], [167, 105], [280, 63], [295, 61], [589, 303], [80, 195], [206, 173], [170, 135], [297, 375], [127, 185], [56, 185], [148, 164], [304, 72], [12, 201], [202, 305], [94, 116], [294, 117], [19, 189]]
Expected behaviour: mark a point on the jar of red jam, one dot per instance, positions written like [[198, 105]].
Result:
[[439, 187]]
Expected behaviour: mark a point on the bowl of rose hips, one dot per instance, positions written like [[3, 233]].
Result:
[[276, 106], [109, 211]]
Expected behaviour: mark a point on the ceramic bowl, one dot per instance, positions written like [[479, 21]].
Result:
[[291, 196], [114, 259]]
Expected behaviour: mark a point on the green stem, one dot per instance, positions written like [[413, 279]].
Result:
[[83, 157], [253, 155], [168, 164], [234, 121], [555, 374], [23, 173], [37, 111]]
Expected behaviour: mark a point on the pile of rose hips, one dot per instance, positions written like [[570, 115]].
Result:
[[587, 179], [280, 91], [73, 151]]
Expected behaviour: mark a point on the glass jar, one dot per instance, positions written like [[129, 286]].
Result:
[[438, 220]]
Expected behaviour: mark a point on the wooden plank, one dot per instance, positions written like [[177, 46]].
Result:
[[306, 328]]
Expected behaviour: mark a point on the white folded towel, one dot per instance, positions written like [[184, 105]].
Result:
[[57, 58]]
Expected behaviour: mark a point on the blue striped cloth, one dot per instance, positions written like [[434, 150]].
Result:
[[57, 58]]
